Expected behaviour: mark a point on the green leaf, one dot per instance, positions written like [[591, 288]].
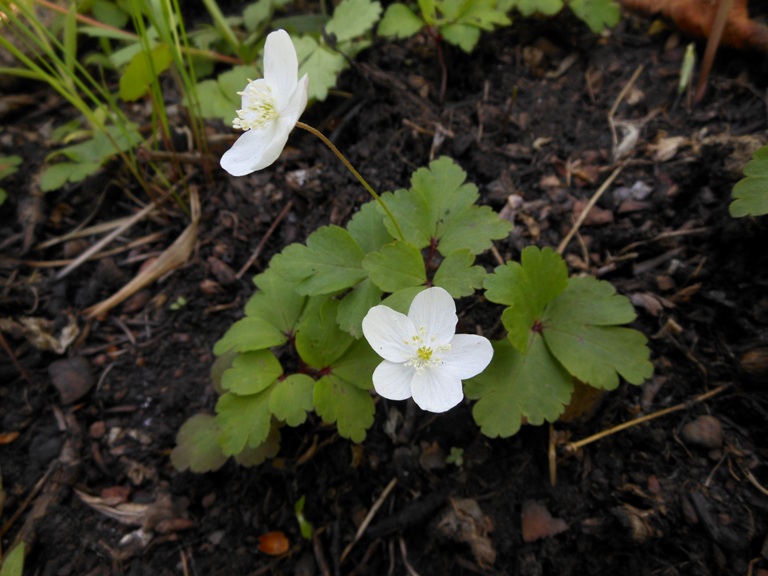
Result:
[[88, 156], [546, 7], [3, 196], [355, 305], [110, 13], [13, 564], [256, 16], [142, 70], [515, 386], [597, 14], [249, 334], [399, 22], [277, 301], [440, 206], [220, 365], [751, 194], [9, 165], [319, 340], [292, 398], [368, 229], [357, 364], [457, 275], [580, 331], [252, 372], [597, 355], [401, 300], [197, 448], [219, 98], [484, 14], [55, 176], [590, 301], [428, 10], [396, 266], [330, 261], [243, 421], [352, 18], [526, 288], [346, 405], [321, 63], [268, 449], [462, 35]]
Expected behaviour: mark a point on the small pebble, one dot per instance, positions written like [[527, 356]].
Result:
[[705, 431], [97, 430], [72, 378]]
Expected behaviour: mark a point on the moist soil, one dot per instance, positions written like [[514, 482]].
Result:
[[540, 115]]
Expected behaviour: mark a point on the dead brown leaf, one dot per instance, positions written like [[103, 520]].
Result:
[[695, 18]]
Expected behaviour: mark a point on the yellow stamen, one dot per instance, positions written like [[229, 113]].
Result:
[[260, 107]]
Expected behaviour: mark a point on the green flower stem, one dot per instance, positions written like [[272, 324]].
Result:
[[355, 173]]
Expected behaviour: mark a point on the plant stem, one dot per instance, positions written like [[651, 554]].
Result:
[[355, 173]]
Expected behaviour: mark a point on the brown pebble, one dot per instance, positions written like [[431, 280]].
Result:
[[705, 431], [97, 430], [72, 378], [222, 271], [754, 366], [209, 500]]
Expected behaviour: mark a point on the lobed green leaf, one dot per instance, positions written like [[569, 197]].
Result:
[[457, 274], [277, 301], [396, 266], [252, 372], [251, 333], [244, 421], [399, 22], [292, 398], [517, 388], [353, 18], [751, 194], [440, 207], [580, 329], [597, 14], [319, 340], [330, 261], [197, 448], [355, 305], [346, 405]]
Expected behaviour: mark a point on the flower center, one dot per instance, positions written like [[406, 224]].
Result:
[[426, 355], [260, 107]]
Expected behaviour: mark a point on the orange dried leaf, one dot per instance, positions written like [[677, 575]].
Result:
[[8, 437], [695, 18], [274, 543]]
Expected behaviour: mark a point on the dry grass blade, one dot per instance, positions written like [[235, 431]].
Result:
[[174, 256]]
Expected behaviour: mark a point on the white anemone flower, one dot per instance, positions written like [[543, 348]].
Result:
[[423, 356], [271, 107]]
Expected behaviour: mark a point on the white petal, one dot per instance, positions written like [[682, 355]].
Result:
[[296, 103], [469, 355], [436, 389], [281, 65], [388, 331], [256, 149], [393, 381], [435, 309]]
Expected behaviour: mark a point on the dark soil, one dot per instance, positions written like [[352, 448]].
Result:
[[527, 116]]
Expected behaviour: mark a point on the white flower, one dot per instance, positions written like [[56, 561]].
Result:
[[271, 107], [423, 355]]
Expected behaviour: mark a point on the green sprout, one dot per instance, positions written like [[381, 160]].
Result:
[[178, 304], [456, 456]]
